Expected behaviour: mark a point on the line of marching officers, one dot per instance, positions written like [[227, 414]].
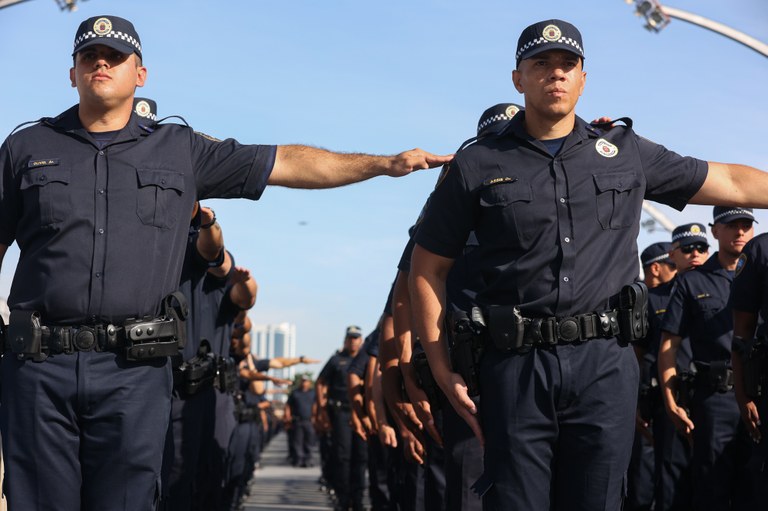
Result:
[[702, 384]]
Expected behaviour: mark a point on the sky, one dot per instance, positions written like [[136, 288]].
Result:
[[383, 77]]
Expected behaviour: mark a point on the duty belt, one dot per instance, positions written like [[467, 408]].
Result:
[[717, 375], [30, 338], [510, 330]]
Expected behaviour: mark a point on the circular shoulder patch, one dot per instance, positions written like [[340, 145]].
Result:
[[740, 263], [142, 109], [102, 26], [695, 229], [605, 148], [511, 111], [551, 33]]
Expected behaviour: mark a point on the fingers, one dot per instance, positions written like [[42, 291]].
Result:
[[474, 425]]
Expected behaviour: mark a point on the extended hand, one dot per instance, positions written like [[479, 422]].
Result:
[[415, 159], [422, 408], [455, 389], [681, 421], [751, 419]]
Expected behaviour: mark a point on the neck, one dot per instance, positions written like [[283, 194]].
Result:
[[103, 118], [546, 128], [727, 261], [652, 281]]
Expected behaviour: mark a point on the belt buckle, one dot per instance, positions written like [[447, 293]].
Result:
[[568, 329], [85, 339]]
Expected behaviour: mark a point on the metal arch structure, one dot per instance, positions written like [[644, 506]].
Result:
[[64, 5]]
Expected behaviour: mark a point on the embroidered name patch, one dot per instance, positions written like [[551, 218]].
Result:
[[46, 162]]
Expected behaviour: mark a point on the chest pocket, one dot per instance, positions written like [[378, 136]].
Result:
[[707, 307], [47, 193], [506, 206], [614, 204], [159, 197]]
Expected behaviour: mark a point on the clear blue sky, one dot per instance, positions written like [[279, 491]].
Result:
[[384, 77]]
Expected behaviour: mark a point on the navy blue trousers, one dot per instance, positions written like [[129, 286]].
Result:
[[672, 465], [721, 449], [349, 459], [191, 422], [640, 475], [84, 431], [558, 425], [463, 461]]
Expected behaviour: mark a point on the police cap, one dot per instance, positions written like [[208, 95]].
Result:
[[117, 33], [548, 35], [688, 234], [725, 214], [354, 331], [146, 108], [495, 118], [656, 253]]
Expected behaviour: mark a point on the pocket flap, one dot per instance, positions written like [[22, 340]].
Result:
[[165, 179], [505, 192], [619, 181], [41, 176]]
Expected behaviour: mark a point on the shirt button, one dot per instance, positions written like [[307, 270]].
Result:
[[565, 279], [42, 178], [567, 239], [101, 191], [162, 181], [101, 231], [101, 153], [98, 275], [562, 199]]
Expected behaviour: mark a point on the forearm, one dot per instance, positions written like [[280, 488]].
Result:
[[427, 285], [283, 362], [299, 166], [744, 324], [355, 393], [321, 397], [243, 294], [667, 362]]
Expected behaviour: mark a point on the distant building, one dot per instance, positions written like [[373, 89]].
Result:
[[275, 340]]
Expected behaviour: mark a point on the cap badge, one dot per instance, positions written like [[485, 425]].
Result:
[[605, 148], [551, 33], [102, 26], [143, 109], [695, 229], [511, 111]]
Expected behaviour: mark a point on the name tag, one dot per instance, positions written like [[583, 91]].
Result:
[[45, 162]]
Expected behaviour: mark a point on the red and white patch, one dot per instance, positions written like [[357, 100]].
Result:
[[143, 109], [551, 33], [102, 26], [605, 148], [511, 111]]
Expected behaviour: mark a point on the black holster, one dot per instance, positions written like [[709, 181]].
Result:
[[425, 379], [163, 336], [226, 375], [684, 389], [648, 400], [466, 346], [755, 366], [25, 335], [633, 312]]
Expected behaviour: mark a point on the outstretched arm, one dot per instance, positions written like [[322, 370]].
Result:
[[298, 166], [729, 184]]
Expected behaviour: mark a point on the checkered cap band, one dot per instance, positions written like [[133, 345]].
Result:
[[113, 34], [656, 259], [492, 120], [540, 40], [730, 212], [688, 234]]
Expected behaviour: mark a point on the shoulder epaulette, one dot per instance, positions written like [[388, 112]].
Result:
[[184, 121], [602, 127], [40, 120]]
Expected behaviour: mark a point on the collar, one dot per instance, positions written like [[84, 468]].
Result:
[[69, 122], [581, 131], [713, 265]]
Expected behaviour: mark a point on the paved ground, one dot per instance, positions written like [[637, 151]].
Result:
[[279, 486]]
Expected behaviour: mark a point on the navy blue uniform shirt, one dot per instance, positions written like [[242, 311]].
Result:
[[335, 375], [749, 292], [557, 234], [699, 308], [102, 232], [301, 403], [360, 362]]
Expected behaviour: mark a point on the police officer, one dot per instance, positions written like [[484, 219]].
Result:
[[658, 271], [299, 418], [349, 450], [545, 198], [699, 308], [97, 201], [749, 351]]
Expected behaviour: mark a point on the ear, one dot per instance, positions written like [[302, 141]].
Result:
[[72, 77], [141, 76], [517, 81], [583, 82]]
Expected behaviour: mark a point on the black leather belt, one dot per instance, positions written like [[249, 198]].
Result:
[[509, 330]]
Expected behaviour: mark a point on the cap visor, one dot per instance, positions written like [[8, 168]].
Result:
[[115, 44]]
